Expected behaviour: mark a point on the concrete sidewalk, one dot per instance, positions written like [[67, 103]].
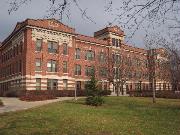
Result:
[[14, 104]]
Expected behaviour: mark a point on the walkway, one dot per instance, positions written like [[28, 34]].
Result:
[[14, 104]]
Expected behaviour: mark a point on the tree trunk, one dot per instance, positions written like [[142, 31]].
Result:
[[122, 89], [117, 90], [154, 91]]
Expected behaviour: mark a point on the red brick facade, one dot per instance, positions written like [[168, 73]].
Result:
[[46, 54]]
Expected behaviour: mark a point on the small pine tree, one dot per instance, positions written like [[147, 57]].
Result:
[[94, 96]]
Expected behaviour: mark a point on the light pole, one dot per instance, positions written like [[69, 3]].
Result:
[[75, 92]]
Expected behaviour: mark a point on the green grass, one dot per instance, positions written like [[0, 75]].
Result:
[[118, 116]]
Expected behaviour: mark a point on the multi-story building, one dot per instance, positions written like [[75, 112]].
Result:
[[48, 55]]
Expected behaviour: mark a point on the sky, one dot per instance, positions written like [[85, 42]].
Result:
[[37, 9]]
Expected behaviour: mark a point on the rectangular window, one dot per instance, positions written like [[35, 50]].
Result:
[[20, 66], [117, 43], [103, 72], [38, 83], [65, 67], [90, 55], [52, 47], [102, 57], [78, 70], [38, 64], [52, 66], [52, 84], [78, 53], [89, 70], [65, 49], [113, 41], [65, 84], [38, 45]]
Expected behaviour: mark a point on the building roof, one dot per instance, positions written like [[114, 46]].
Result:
[[114, 29], [91, 39], [50, 24], [134, 49]]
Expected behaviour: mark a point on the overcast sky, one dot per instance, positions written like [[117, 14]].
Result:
[[38, 9]]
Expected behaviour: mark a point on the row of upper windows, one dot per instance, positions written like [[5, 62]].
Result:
[[14, 51], [117, 59], [52, 67], [11, 69], [53, 48], [118, 73]]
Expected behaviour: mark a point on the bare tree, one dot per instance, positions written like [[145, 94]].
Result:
[[163, 62], [60, 8], [118, 72], [133, 15]]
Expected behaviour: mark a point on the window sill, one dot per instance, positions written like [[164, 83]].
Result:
[[51, 72], [65, 54], [38, 71], [77, 75], [38, 51], [53, 53]]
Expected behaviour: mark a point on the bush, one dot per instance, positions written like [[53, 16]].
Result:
[[105, 92], [94, 101], [11, 93], [1, 103]]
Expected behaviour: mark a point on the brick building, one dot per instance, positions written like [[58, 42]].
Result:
[[48, 55]]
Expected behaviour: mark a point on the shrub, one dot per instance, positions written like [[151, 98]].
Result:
[[94, 101], [11, 93], [1, 103], [94, 95], [105, 92]]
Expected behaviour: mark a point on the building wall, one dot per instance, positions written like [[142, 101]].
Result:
[[23, 76]]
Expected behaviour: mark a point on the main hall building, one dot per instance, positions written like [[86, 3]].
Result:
[[45, 54]]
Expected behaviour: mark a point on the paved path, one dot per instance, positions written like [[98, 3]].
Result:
[[14, 104]]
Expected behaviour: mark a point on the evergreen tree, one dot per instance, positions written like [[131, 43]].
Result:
[[94, 96]]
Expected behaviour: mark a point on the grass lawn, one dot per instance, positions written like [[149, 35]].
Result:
[[118, 116]]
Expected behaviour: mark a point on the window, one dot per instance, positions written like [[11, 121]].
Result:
[[116, 73], [38, 64], [52, 66], [102, 57], [20, 66], [113, 41], [38, 83], [78, 70], [117, 43], [78, 53], [52, 47], [78, 85], [52, 84], [65, 67], [89, 55], [65, 49], [14, 53], [17, 49], [65, 84], [86, 84], [38, 45], [21, 47], [89, 70], [103, 72]]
